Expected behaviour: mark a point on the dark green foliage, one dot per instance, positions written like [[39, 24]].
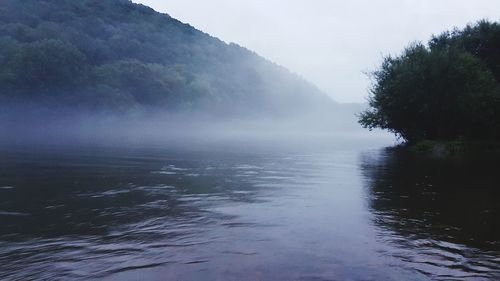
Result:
[[117, 55], [481, 40], [448, 90], [47, 65]]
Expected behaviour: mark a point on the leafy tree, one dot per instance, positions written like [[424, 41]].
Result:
[[439, 92], [481, 40]]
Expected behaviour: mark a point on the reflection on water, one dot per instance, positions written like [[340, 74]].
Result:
[[441, 214], [324, 212]]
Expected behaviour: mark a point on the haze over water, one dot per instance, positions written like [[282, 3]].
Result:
[[327, 209]]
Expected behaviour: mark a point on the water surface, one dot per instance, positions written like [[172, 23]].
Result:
[[331, 210]]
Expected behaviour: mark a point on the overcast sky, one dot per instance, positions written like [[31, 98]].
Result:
[[328, 42]]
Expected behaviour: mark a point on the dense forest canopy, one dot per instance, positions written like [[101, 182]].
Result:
[[449, 89], [119, 56]]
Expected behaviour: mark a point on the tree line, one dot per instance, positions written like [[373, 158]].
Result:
[[447, 89], [120, 56]]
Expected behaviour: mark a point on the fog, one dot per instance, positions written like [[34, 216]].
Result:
[[134, 146], [121, 73], [59, 125], [330, 43]]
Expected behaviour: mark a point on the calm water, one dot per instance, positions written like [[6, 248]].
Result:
[[346, 210]]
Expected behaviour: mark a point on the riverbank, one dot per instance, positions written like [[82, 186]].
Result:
[[453, 147]]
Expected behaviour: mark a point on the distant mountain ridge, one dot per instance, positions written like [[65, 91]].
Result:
[[120, 56]]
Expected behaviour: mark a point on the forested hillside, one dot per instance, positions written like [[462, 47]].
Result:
[[115, 55]]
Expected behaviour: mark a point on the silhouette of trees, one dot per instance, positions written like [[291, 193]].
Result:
[[447, 90]]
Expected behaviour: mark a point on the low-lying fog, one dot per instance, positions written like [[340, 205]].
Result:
[[54, 125]]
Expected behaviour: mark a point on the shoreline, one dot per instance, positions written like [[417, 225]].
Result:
[[444, 148]]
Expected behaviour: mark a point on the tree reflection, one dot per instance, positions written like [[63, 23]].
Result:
[[453, 200]]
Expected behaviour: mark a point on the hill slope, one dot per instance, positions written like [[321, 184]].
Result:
[[115, 55]]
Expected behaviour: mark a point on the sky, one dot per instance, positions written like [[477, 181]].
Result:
[[331, 43]]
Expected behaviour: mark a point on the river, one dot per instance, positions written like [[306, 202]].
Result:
[[339, 209]]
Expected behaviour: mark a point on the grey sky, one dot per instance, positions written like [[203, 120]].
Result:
[[329, 42]]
